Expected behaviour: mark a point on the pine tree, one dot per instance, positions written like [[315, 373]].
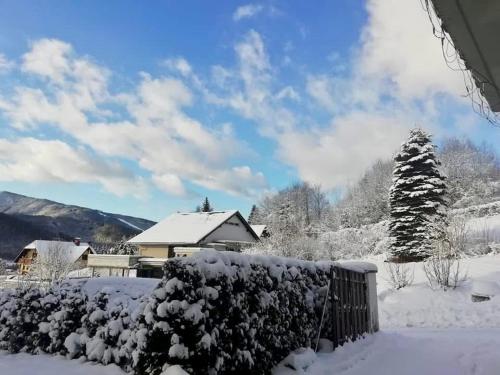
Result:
[[417, 198], [206, 207], [253, 218]]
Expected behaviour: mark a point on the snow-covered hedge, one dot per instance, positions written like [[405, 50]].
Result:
[[213, 313], [223, 312], [36, 320]]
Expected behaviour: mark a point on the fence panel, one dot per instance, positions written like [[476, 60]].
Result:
[[348, 306]]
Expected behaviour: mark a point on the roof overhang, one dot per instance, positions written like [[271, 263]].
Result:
[[474, 27]]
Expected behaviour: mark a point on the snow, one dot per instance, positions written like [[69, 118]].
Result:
[[485, 226], [485, 288], [130, 224], [26, 364], [453, 334], [259, 229], [358, 266], [183, 228], [412, 352], [74, 251], [124, 290], [420, 306], [174, 370]]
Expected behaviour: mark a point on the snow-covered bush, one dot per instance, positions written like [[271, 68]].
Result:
[[222, 313], [65, 318], [20, 316]]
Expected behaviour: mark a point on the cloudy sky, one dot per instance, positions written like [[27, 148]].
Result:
[[144, 110]]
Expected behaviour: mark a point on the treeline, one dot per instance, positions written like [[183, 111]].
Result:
[[302, 217]]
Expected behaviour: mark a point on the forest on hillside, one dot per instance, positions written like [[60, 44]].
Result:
[[304, 222]]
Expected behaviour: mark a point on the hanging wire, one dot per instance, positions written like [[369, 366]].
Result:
[[474, 86]]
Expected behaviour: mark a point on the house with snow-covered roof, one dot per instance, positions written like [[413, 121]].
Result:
[[183, 232], [179, 235], [77, 252]]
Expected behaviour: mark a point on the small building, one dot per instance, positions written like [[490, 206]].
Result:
[[260, 230], [181, 234], [77, 251]]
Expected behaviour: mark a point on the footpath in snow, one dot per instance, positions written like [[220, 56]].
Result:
[[414, 351]]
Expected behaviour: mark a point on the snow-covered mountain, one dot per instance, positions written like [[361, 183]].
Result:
[[24, 219]]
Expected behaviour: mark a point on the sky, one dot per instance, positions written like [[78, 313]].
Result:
[[146, 108]]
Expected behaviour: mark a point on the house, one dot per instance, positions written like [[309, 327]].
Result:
[[182, 233], [179, 235], [260, 230], [77, 251]]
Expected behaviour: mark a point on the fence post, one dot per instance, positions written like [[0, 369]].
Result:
[[371, 283], [334, 315]]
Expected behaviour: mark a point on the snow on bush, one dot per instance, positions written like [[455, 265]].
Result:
[[67, 319], [223, 312]]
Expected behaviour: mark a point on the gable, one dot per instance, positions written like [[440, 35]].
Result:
[[233, 229]]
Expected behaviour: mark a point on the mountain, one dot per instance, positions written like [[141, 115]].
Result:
[[24, 219]]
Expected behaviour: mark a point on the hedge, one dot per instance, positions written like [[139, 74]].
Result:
[[213, 313]]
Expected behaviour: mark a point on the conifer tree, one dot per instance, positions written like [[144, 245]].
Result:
[[253, 218], [417, 198], [206, 207]]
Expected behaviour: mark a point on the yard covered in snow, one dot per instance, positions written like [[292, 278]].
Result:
[[422, 332]]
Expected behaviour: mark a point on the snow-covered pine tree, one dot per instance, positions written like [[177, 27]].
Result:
[[417, 198], [254, 218]]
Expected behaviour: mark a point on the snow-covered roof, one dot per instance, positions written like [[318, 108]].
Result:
[[75, 251], [184, 228], [258, 229]]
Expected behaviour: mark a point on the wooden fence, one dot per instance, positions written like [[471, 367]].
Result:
[[349, 312]]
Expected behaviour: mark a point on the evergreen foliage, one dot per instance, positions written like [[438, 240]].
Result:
[[417, 198], [205, 206], [229, 313], [254, 217]]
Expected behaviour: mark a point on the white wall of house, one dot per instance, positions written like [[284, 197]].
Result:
[[232, 230]]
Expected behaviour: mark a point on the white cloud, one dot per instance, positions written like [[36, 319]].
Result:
[[48, 58], [398, 46], [395, 73], [157, 134], [5, 64], [339, 154], [247, 11], [288, 92], [34, 160], [179, 64]]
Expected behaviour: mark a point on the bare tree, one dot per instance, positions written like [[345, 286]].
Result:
[[443, 269], [400, 274], [52, 265]]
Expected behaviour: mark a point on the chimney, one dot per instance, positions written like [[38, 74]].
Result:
[[76, 241]]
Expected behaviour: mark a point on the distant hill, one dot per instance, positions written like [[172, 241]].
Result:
[[24, 219]]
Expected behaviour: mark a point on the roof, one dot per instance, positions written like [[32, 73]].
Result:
[[43, 246], [259, 229], [474, 27], [186, 228]]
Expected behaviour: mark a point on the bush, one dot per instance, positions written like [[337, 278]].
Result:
[[208, 303]]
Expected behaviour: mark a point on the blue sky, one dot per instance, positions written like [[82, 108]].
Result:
[[145, 110]]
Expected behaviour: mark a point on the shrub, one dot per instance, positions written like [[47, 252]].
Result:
[[208, 303]]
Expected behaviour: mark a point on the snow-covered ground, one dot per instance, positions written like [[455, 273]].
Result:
[[26, 364], [413, 351], [420, 306], [422, 331]]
